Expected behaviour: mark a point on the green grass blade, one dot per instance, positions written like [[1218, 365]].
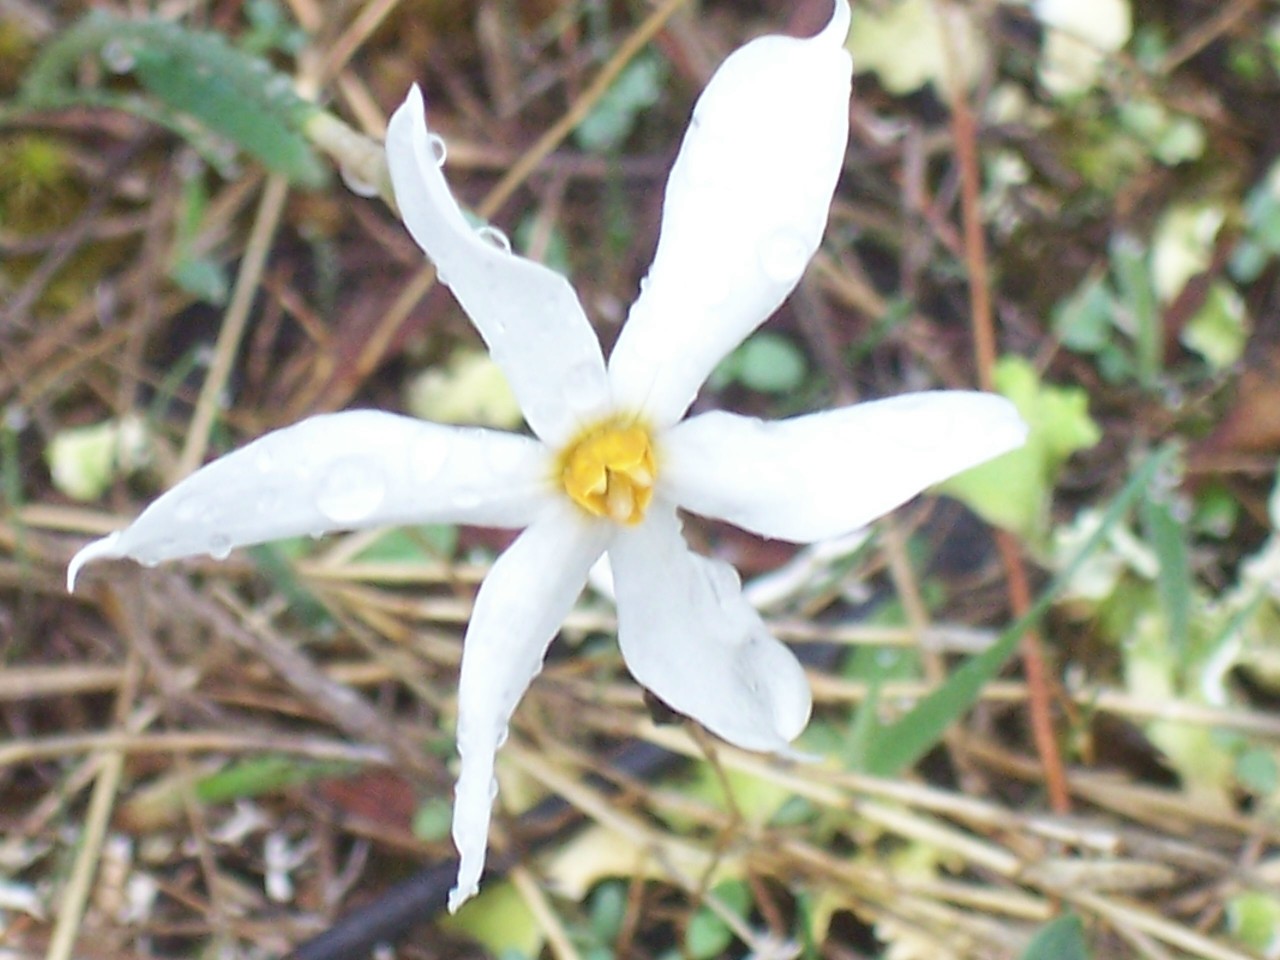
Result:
[[900, 744]]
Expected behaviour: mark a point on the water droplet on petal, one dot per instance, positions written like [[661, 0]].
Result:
[[350, 490], [358, 180], [494, 237], [439, 150], [783, 256], [579, 386], [219, 546], [428, 457], [119, 55], [466, 500], [185, 510]]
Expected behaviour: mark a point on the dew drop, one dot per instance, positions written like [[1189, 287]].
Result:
[[119, 55], [783, 256], [358, 179], [439, 150], [494, 237], [428, 457], [350, 490], [466, 500], [580, 386], [219, 546]]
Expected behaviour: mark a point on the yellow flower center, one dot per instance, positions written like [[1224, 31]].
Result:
[[608, 470]]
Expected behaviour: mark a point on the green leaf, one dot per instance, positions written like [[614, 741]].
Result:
[[500, 920], [1220, 328], [1253, 918], [469, 389], [232, 93], [203, 278], [909, 43], [767, 363], [270, 29], [1167, 536], [608, 910], [194, 75], [1014, 491], [612, 119], [771, 363], [85, 461], [1060, 939], [1083, 321], [707, 935], [432, 819], [263, 775], [1258, 771], [274, 561], [1136, 285]]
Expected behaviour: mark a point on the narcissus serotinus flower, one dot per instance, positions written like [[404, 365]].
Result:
[[612, 457]]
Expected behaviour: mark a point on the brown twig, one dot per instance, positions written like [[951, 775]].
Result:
[[964, 131]]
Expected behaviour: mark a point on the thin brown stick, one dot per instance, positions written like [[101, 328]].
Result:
[[964, 131], [75, 896], [270, 209]]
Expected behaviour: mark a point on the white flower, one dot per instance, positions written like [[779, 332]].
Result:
[[745, 208]]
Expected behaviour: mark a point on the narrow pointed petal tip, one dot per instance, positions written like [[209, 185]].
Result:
[[108, 548], [460, 895]]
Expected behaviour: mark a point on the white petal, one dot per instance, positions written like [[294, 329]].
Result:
[[518, 610], [688, 635], [828, 473], [744, 211], [339, 471], [528, 315]]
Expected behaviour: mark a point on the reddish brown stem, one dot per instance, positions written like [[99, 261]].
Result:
[[984, 341]]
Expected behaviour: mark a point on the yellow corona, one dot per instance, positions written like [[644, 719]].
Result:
[[609, 470]]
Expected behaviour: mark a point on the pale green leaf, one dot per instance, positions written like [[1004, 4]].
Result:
[[1014, 491]]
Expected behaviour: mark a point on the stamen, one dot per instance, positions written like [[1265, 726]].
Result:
[[609, 470], [621, 503]]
